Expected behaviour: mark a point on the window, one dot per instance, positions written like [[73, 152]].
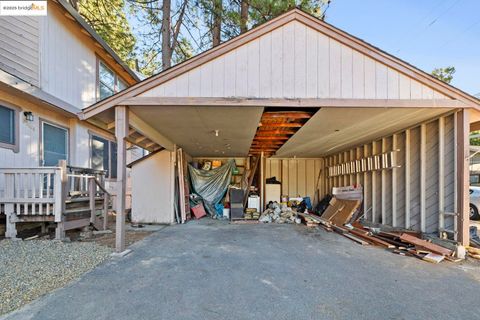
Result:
[[54, 144], [8, 128], [109, 82], [104, 156]]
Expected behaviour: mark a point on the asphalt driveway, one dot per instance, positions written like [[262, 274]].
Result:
[[211, 270]]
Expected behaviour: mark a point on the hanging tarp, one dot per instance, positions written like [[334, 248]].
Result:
[[212, 184]]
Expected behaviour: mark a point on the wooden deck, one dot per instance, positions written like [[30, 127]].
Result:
[[71, 197]]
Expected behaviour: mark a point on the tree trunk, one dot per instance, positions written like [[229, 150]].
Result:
[[243, 16], [166, 47], [74, 4], [217, 22]]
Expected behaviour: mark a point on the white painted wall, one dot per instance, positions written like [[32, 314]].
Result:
[[294, 61], [152, 192]]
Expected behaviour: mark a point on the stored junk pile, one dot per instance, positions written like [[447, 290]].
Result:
[[343, 215]]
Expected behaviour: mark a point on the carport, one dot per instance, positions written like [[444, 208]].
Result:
[[373, 119]]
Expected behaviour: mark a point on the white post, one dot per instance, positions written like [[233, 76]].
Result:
[[121, 133], [91, 194], [60, 194], [11, 231]]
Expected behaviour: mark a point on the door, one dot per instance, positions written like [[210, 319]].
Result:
[[54, 144]]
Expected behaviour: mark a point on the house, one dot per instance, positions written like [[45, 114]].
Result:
[[297, 88], [51, 67]]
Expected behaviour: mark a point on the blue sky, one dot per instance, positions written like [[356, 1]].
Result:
[[425, 33]]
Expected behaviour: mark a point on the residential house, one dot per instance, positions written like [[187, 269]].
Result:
[[50, 68]]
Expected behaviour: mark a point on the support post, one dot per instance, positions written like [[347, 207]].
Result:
[[441, 173], [121, 133], [463, 145], [60, 190], [11, 228], [262, 181], [423, 174], [394, 180], [91, 194], [407, 178]]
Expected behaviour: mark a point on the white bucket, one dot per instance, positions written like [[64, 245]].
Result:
[[226, 213]]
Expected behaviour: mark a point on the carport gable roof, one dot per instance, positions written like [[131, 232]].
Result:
[[466, 100]]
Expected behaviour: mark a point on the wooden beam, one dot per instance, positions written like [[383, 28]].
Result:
[[384, 184], [463, 175], [151, 133], [121, 131], [286, 115], [441, 172], [281, 125], [407, 178], [289, 103], [374, 186], [423, 174], [276, 132], [272, 138], [365, 185], [394, 181], [111, 125], [142, 138]]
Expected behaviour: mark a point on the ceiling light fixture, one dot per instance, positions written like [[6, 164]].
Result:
[[216, 133]]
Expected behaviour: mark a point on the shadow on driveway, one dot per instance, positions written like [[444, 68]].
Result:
[[212, 270]]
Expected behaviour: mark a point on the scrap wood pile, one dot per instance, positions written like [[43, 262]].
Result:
[[342, 216], [474, 249]]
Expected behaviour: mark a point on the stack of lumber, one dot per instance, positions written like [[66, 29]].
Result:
[[402, 243], [339, 217]]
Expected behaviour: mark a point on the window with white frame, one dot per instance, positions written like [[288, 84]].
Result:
[[109, 82], [8, 128], [104, 155]]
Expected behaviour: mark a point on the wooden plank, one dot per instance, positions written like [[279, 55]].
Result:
[[425, 244], [384, 184], [333, 102], [75, 224], [394, 181], [407, 178], [121, 132], [441, 172], [463, 174], [423, 173]]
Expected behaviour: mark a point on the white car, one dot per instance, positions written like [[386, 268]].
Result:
[[474, 203]]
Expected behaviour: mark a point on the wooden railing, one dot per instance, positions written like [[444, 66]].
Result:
[[32, 191], [44, 191]]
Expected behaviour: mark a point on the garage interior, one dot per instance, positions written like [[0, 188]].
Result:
[[372, 123]]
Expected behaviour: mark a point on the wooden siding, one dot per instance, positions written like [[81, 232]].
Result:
[[19, 47], [298, 176], [294, 61], [68, 61], [379, 186]]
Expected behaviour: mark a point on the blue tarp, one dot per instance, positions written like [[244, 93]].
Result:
[[211, 185]]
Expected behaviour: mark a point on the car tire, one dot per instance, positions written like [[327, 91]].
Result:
[[474, 215]]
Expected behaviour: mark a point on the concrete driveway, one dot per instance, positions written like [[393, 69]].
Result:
[[212, 270]]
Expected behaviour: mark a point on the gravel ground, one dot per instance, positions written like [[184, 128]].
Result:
[[30, 269]]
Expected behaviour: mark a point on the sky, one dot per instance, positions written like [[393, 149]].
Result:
[[425, 33]]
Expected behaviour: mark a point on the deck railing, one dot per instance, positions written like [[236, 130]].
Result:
[[43, 192], [32, 191]]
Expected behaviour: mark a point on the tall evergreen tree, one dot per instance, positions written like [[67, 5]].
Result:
[[109, 20]]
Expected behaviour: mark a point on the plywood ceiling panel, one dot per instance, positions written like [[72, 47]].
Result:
[[193, 128], [332, 130]]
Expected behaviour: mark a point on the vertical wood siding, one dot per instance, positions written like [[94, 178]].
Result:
[[68, 62], [379, 185], [19, 47], [298, 176], [294, 61]]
